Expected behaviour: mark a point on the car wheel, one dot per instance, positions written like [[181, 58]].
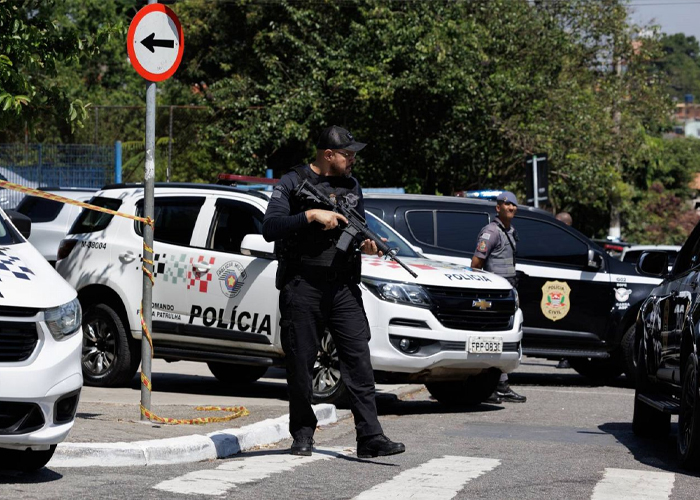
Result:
[[646, 420], [689, 417], [629, 354], [236, 374], [472, 391], [108, 359], [598, 371], [25, 460], [328, 387]]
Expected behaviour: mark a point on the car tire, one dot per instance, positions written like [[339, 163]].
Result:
[[109, 358], [689, 417], [472, 391], [230, 373], [629, 354], [25, 460], [328, 386], [647, 421], [598, 371]]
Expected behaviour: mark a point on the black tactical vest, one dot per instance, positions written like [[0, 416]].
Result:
[[312, 246]]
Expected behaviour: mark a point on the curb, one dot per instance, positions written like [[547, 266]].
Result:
[[185, 449]]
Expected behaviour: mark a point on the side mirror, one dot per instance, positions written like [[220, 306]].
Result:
[[21, 222], [595, 260], [255, 245], [653, 263]]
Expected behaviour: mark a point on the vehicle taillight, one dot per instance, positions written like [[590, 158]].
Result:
[[65, 248]]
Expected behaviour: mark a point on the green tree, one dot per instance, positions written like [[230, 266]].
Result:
[[33, 47], [681, 65]]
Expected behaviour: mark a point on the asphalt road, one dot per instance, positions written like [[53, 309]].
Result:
[[570, 440]]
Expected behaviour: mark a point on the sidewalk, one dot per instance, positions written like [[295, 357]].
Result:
[[108, 431]]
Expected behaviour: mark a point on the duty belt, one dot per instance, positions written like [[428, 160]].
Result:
[[323, 273]]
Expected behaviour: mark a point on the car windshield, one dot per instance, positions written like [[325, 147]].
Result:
[[394, 240]]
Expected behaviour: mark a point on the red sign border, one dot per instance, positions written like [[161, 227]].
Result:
[[154, 77]]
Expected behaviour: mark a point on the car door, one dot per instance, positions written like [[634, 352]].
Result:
[[559, 291], [676, 306], [175, 222], [232, 296]]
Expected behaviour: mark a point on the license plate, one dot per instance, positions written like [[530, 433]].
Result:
[[489, 345]]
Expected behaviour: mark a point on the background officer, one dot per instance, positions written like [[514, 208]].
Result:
[[319, 288], [495, 252]]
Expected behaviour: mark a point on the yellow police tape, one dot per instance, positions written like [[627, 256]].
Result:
[[63, 199], [237, 411]]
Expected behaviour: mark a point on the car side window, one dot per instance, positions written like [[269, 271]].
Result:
[[543, 241], [90, 221], [232, 222], [175, 219], [39, 209], [459, 230], [689, 255], [422, 226]]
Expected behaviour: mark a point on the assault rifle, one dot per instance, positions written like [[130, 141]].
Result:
[[356, 230]]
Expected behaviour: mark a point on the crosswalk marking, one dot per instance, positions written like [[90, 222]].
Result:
[[625, 484], [439, 478], [248, 469]]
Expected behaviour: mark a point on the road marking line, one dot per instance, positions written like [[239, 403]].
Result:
[[243, 470], [625, 484], [439, 478]]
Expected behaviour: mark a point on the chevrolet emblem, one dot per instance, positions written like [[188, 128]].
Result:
[[481, 304]]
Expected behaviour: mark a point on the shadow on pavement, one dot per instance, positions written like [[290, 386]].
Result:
[[389, 404], [210, 386], [657, 453], [567, 378], [17, 477]]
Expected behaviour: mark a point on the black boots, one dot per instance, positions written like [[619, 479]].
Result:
[[302, 446], [378, 446], [508, 395]]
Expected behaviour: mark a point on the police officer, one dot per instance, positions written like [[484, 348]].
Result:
[[319, 288], [495, 252]]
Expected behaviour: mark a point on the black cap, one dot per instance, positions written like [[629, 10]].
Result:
[[338, 138]]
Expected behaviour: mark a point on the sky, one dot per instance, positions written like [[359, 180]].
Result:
[[674, 16]]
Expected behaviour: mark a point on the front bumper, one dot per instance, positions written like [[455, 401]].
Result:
[[445, 356], [39, 395]]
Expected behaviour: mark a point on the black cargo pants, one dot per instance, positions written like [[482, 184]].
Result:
[[309, 304]]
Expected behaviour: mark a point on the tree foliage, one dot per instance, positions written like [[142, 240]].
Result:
[[36, 44], [449, 95]]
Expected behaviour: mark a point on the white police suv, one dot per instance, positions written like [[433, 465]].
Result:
[[40, 374], [214, 299]]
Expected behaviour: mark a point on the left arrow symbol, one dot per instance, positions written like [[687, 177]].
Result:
[[150, 43]]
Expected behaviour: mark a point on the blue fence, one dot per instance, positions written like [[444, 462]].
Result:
[[55, 165]]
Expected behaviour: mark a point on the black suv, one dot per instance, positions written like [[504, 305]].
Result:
[[667, 349], [578, 302]]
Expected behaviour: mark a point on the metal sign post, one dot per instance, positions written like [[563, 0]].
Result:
[[534, 181], [155, 44], [536, 178]]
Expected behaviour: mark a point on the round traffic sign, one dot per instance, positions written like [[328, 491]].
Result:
[[155, 42]]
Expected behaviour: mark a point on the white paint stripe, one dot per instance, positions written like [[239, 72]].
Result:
[[440, 478], [243, 470], [624, 484]]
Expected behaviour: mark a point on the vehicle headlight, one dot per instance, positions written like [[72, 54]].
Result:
[[517, 299], [401, 293], [63, 320]]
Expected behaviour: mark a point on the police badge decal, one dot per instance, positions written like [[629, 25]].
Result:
[[556, 300]]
